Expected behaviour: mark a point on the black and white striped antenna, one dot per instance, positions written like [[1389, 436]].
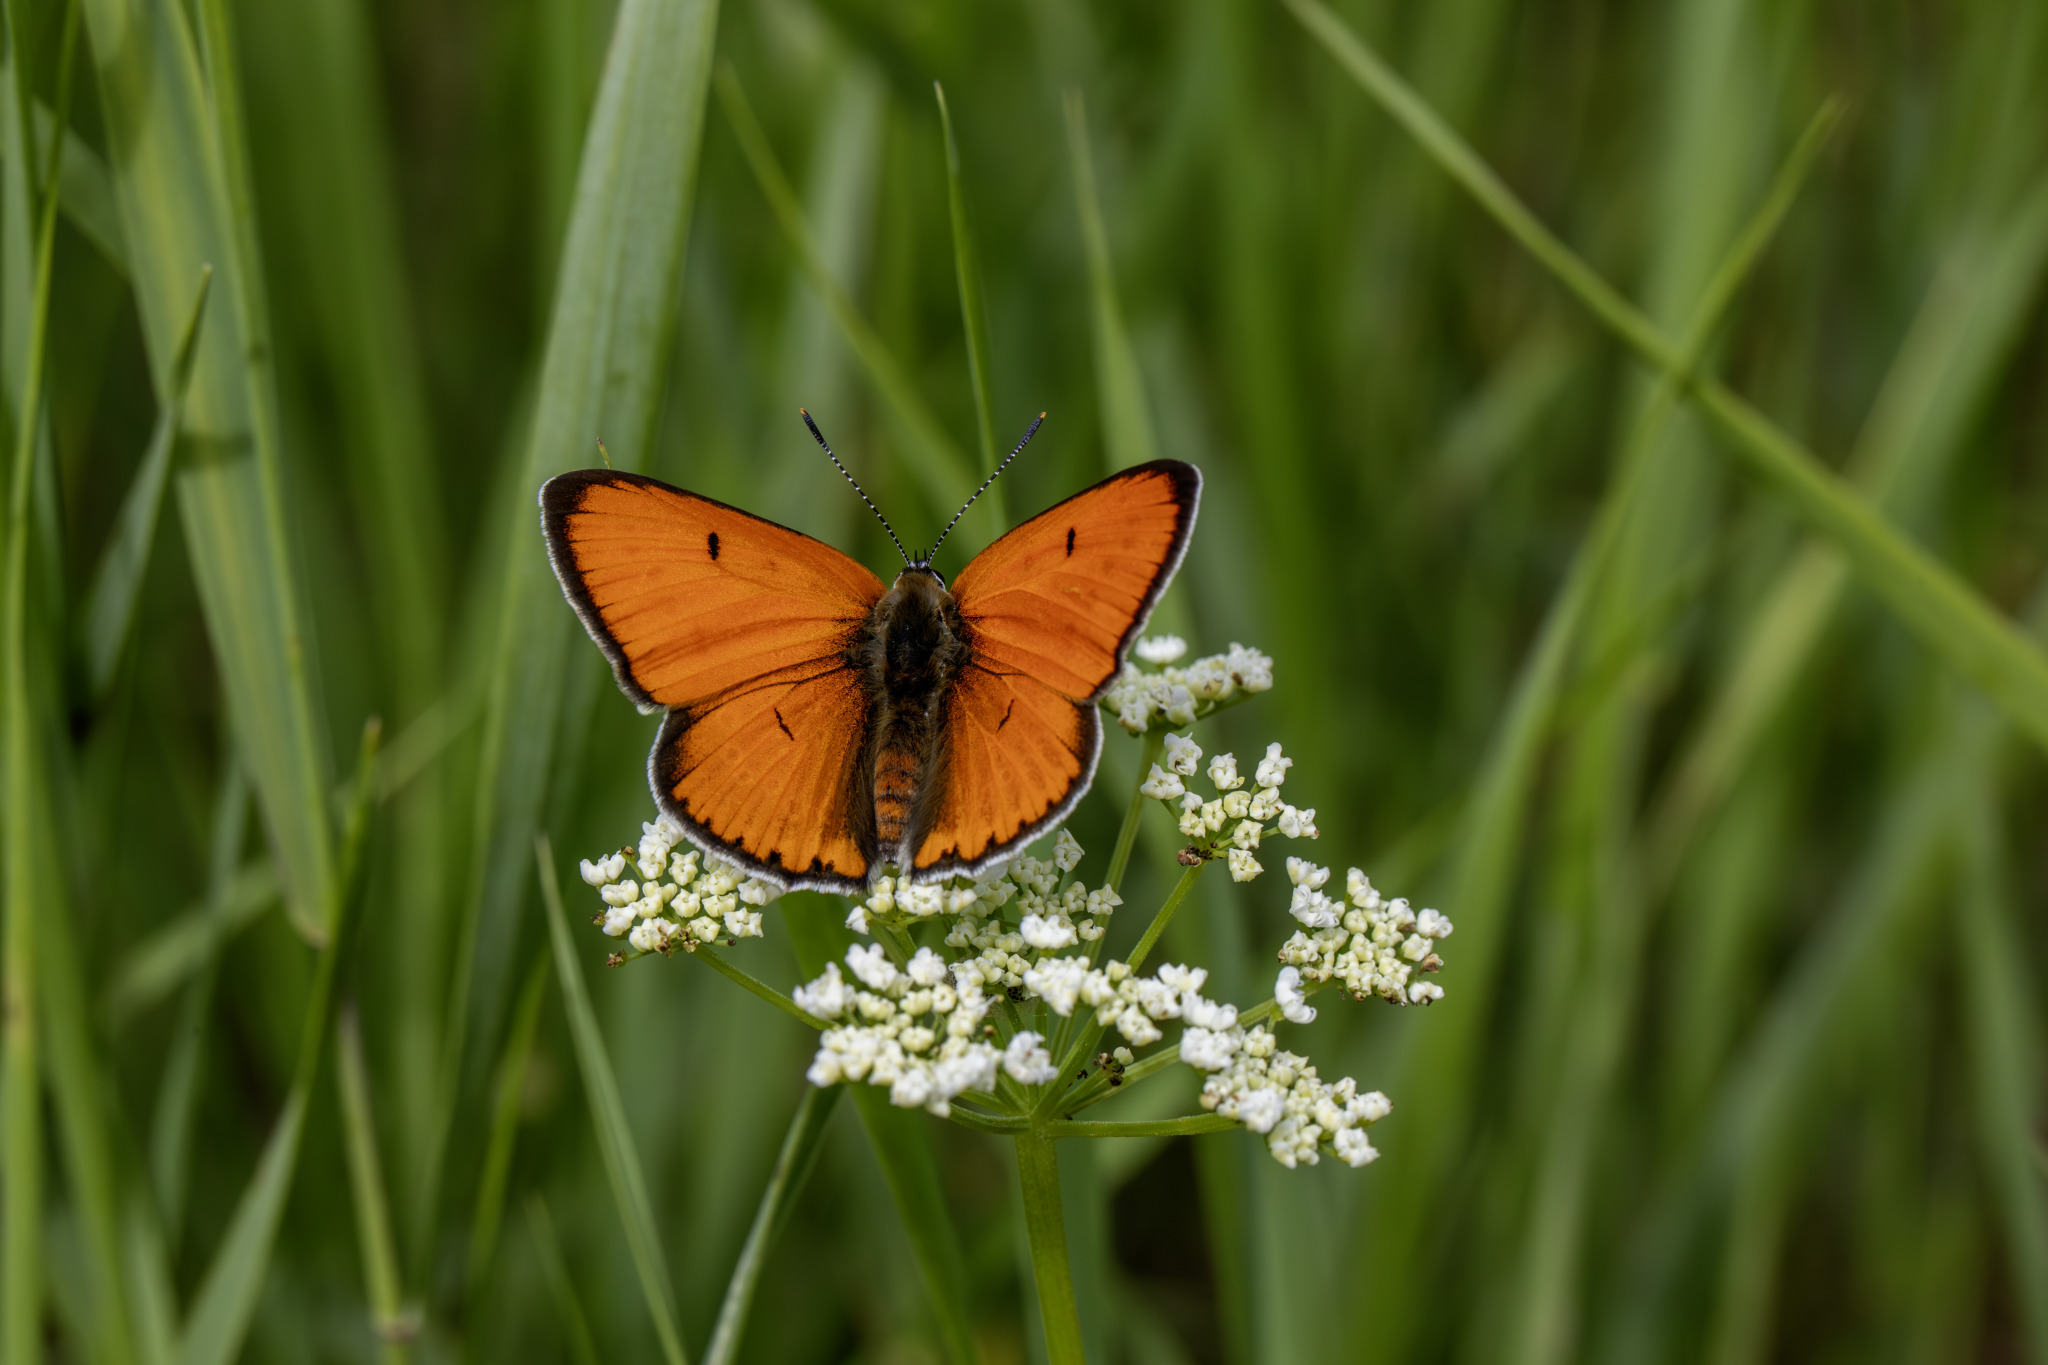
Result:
[[856, 487], [983, 489]]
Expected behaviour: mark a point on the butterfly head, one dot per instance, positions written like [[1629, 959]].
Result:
[[919, 570]]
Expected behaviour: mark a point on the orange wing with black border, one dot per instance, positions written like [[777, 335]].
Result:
[[740, 629], [1048, 611]]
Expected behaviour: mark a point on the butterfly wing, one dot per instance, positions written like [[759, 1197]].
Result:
[[740, 629], [1048, 611]]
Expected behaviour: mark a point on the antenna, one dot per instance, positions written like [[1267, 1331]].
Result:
[[984, 487], [856, 485]]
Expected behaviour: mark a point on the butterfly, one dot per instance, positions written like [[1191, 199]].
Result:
[[821, 728]]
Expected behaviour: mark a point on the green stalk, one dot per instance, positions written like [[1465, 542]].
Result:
[[511, 1084], [366, 1184], [555, 1270], [1184, 1126], [800, 1147], [973, 314], [1045, 1224], [1127, 836], [758, 988], [1084, 1045], [27, 839]]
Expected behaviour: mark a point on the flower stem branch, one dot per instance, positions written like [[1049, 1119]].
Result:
[[1182, 1126], [754, 985], [1098, 1088], [1120, 857], [987, 1123], [1045, 1224], [1077, 1056]]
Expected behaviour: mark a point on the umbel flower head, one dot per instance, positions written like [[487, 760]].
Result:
[[958, 1024]]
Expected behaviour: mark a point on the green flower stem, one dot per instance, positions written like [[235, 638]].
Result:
[[1045, 1224], [1120, 857], [755, 986], [1165, 915], [1077, 1056], [1182, 1126], [1098, 1087], [792, 1168], [987, 1123], [973, 316]]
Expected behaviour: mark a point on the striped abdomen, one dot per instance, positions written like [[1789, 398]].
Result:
[[895, 788]]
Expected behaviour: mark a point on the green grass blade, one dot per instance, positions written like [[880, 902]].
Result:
[[226, 1300], [601, 378], [1962, 338], [366, 1186], [85, 192], [185, 946], [555, 1270], [939, 466], [800, 1147], [168, 135], [608, 1119], [2003, 1032], [110, 603], [973, 311], [33, 884], [1930, 598], [1126, 420], [510, 1089]]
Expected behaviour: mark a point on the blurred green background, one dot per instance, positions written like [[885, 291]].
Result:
[[1740, 1056]]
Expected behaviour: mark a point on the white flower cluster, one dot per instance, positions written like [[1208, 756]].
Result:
[[1013, 920], [1140, 699], [1278, 1095], [1373, 945], [916, 1029], [1246, 811], [1133, 1005], [658, 899]]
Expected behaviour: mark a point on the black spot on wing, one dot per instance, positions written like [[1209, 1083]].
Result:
[[711, 543], [1070, 543], [1012, 706], [784, 724]]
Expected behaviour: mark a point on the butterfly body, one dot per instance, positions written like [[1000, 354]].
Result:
[[913, 649], [821, 728]]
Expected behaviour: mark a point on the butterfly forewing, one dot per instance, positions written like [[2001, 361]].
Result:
[[1061, 596], [691, 598], [1048, 611], [741, 629]]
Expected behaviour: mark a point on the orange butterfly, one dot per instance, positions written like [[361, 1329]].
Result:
[[821, 727]]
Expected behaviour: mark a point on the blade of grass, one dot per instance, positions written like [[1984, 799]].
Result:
[[366, 1187], [170, 146], [1965, 333], [85, 192], [941, 469], [170, 1141], [179, 951], [226, 1300], [2003, 1033], [1926, 595], [110, 603], [601, 378], [33, 885], [608, 1118], [1126, 421], [973, 312], [510, 1090], [800, 1148], [547, 1249], [1604, 761]]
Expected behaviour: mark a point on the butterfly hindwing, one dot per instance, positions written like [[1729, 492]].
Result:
[[742, 629], [1048, 611]]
